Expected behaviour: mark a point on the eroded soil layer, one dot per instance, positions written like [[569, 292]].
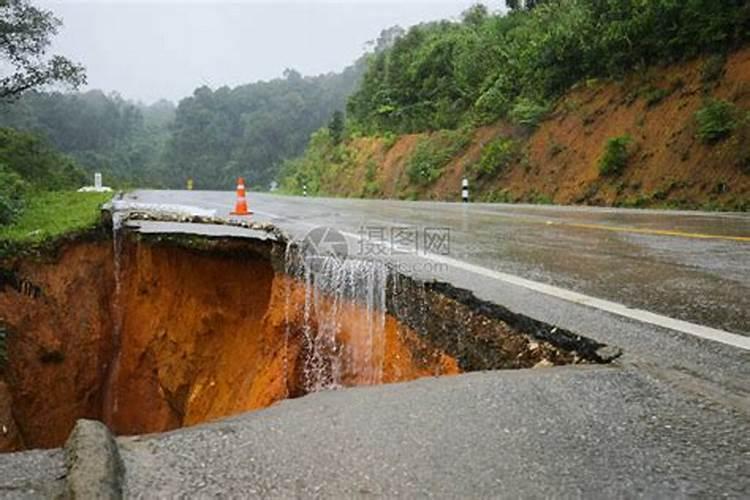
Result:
[[156, 333]]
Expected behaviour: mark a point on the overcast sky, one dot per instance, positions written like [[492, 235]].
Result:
[[166, 48]]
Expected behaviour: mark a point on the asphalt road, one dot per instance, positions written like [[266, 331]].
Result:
[[703, 260], [690, 266], [551, 433]]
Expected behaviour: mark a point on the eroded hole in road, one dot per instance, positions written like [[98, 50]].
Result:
[[168, 332]]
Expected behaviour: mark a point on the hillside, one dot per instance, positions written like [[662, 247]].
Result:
[[664, 163]]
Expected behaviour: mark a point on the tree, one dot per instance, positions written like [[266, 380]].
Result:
[[387, 38], [523, 4], [25, 36], [448, 74], [475, 15], [336, 126], [250, 130], [36, 162]]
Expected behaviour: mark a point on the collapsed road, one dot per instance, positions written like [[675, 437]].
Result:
[[670, 416]]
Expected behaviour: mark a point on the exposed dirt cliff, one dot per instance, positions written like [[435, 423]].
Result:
[[156, 332], [191, 335], [558, 161], [57, 314]]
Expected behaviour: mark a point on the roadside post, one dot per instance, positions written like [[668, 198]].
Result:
[[190, 183], [304, 190], [98, 180], [465, 190]]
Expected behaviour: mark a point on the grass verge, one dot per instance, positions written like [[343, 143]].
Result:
[[50, 215]]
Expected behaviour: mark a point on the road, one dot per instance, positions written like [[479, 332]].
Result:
[[585, 269], [571, 433], [690, 266], [670, 418]]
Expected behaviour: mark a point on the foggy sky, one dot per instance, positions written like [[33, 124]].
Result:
[[167, 48]]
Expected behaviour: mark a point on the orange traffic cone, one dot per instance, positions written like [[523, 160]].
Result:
[[240, 207]]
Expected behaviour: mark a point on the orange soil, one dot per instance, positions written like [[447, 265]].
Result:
[[59, 345], [203, 335], [559, 160]]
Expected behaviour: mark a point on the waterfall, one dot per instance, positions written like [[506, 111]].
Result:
[[343, 320], [110, 396]]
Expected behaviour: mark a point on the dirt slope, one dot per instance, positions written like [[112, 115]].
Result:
[[558, 162]]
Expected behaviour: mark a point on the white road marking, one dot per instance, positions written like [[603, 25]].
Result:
[[615, 308], [641, 315]]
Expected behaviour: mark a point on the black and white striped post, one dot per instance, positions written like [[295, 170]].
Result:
[[465, 190]]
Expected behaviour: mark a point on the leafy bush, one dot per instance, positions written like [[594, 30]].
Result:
[[540, 198], [528, 112], [320, 159], [372, 186], [433, 153], [499, 196], [389, 140], [37, 163], [717, 120], [616, 155], [12, 189], [496, 155]]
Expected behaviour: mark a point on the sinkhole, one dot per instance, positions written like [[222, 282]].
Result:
[[156, 332]]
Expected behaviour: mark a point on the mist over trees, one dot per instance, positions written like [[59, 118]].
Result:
[[101, 132], [212, 136], [251, 129], [439, 75], [27, 162]]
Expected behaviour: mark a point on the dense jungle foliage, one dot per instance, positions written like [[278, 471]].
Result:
[[447, 74]]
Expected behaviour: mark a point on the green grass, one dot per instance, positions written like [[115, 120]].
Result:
[[49, 215]]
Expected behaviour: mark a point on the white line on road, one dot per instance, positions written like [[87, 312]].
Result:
[[640, 315]]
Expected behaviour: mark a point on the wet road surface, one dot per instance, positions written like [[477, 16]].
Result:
[[690, 266], [550, 433]]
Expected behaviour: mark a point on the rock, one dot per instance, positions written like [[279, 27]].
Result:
[[608, 353], [545, 363], [95, 469]]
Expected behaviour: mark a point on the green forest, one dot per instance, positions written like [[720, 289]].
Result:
[[99, 132], [490, 66], [213, 136], [251, 129], [52, 141]]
